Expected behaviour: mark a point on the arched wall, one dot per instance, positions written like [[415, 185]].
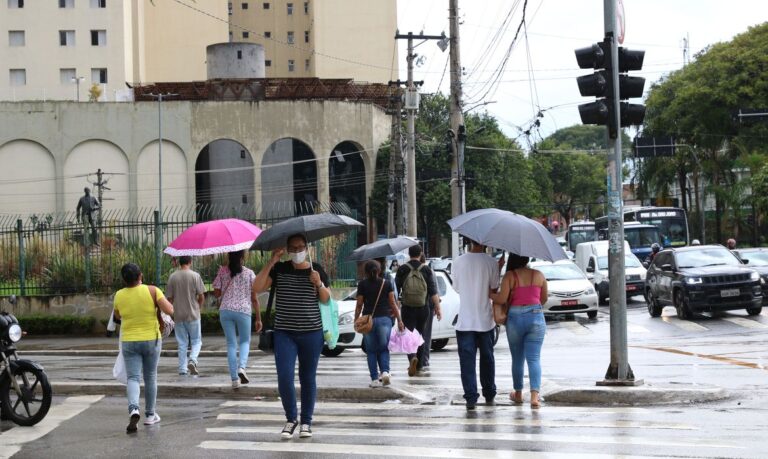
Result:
[[175, 186], [84, 159], [28, 178], [289, 173]]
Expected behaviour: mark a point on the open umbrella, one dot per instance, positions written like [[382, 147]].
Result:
[[215, 236], [381, 248], [313, 227], [509, 231]]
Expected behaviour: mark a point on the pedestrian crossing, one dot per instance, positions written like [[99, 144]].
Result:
[[388, 429]]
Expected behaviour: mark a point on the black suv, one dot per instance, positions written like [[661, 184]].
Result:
[[703, 278]]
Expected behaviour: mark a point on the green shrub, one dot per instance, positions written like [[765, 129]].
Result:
[[38, 324]]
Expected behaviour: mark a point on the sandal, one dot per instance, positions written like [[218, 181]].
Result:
[[516, 397], [535, 402]]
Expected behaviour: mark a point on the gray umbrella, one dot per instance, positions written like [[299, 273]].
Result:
[[313, 227], [509, 231], [381, 248]]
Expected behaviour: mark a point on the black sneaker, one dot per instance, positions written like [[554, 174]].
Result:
[[134, 421], [471, 406], [243, 376], [305, 431], [288, 430]]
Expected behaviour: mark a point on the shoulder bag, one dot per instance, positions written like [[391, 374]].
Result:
[[364, 323], [165, 321]]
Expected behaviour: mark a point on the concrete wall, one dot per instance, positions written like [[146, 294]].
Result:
[[235, 60], [74, 139]]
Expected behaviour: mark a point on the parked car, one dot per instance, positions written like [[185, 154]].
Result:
[[442, 264], [703, 278], [569, 289], [442, 330], [756, 259], [592, 259]]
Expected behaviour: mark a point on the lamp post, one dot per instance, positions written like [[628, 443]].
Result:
[[77, 80]]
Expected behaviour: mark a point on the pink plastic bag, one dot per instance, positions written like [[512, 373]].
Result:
[[406, 342]]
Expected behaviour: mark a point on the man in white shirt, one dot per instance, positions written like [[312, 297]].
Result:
[[475, 274]]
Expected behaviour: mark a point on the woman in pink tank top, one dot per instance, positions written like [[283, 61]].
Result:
[[523, 290]]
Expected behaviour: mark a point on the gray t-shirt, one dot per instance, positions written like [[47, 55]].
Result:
[[183, 287]]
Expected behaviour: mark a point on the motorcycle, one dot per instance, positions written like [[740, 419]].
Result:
[[25, 393]]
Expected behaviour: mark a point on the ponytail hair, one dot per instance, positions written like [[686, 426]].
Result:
[[372, 270], [236, 263]]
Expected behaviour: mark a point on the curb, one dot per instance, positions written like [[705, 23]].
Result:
[[635, 396], [113, 353]]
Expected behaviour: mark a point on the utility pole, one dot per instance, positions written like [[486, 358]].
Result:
[[395, 157], [100, 185], [457, 132]]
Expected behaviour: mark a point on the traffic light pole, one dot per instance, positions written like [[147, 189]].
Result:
[[619, 372]]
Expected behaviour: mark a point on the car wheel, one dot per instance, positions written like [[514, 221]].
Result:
[[681, 304], [592, 314], [755, 311], [654, 308], [335, 352], [438, 344]]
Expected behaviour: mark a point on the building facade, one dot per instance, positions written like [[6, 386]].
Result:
[[58, 49], [321, 38]]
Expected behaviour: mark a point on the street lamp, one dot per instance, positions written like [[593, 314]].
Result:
[[77, 80]]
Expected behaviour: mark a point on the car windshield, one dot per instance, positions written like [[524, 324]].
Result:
[[629, 262], [755, 258], [561, 272], [714, 256], [577, 236]]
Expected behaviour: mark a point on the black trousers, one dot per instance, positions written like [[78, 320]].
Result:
[[424, 352], [415, 319]]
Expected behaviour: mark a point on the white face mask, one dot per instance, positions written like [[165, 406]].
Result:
[[299, 257]]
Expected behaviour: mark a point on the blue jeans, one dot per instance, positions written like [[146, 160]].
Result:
[[525, 333], [188, 333], [237, 330], [141, 357], [469, 342], [377, 346], [306, 346]]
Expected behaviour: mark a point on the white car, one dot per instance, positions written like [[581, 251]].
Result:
[[442, 330], [569, 289]]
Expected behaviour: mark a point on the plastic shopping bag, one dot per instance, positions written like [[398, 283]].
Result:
[[118, 371], [329, 314], [407, 341]]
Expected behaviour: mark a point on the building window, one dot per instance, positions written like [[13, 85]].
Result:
[[245, 201], [290, 8], [244, 6], [67, 76], [291, 65], [290, 38], [306, 36], [67, 37], [99, 76], [246, 34], [306, 7], [242, 154], [306, 65], [98, 37], [265, 5], [18, 77], [66, 3], [15, 4], [267, 34], [239, 54], [16, 38], [267, 63], [98, 3], [229, 8]]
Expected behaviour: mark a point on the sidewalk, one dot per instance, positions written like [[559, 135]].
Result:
[[83, 366]]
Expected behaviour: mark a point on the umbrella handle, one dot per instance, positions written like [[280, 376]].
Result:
[[309, 254]]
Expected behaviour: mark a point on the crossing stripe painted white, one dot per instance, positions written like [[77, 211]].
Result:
[[632, 328], [405, 420], [12, 440], [391, 406], [388, 450], [746, 323], [684, 324], [491, 436], [576, 328]]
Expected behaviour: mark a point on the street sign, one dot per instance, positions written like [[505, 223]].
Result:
[[620, 21], [652, 147]]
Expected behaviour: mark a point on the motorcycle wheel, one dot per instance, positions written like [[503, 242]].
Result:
[[31, 405]]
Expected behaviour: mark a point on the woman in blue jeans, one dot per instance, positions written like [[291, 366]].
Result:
[[523, 290], [298, 334], [140, 341], [376, 296], [234, 286]]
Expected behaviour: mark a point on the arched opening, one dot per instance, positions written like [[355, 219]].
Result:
[[288, 179], [223, 180], [346, 176]]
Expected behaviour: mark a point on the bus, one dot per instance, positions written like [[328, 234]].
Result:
[[578, 232], [639, 236], [672, 223]]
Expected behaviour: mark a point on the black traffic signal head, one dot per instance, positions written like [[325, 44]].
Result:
[[630, 59], [596, 85], [632, 114], [630, 86], [597, 56], [595, 112]]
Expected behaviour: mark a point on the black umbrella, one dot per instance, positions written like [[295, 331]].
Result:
[[313, 227], [381, 248]]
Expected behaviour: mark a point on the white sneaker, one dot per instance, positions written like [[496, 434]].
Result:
[[133, 420], [385, 378], [375, 383], [235, 384], [305, 431], [154, 419]]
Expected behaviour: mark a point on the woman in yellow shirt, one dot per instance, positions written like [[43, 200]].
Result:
[[140, 340]]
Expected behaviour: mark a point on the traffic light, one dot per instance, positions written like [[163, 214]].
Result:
[[600, 85]]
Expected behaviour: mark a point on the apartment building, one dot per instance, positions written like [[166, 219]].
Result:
[[58, 49], [321, 38]]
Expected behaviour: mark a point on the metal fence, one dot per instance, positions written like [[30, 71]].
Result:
[[54, 254]]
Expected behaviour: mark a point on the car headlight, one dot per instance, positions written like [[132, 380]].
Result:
[[590, 291], [346, 318], [754, 276], [14, 332], [693, 280]]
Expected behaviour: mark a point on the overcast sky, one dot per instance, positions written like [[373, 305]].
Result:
[[541, 71]]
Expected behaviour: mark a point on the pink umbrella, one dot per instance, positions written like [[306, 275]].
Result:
[[215, 236]]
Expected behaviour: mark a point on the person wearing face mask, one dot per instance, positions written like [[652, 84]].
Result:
[[298, 332]]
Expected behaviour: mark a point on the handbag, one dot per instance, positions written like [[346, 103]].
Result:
[[501, 310], [118, 371], [329, 314], [266, 337], [164, 321], [364, 323]]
